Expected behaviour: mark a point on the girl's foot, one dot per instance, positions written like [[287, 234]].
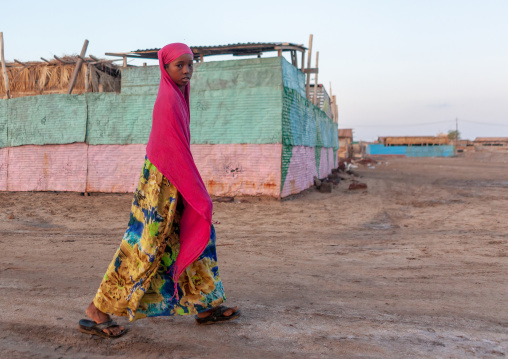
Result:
[[228, 312], [217, 315], [99, 317]]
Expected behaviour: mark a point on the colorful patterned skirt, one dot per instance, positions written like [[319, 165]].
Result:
[[138, 283]]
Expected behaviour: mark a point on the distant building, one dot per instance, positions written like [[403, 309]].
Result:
[[412, 146], [415, 140], [491, 144], [345, 143]]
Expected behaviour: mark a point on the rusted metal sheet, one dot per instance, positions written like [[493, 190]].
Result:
[[47, 168], [114, 168], [345, 133], [3, 168], [240, 169]]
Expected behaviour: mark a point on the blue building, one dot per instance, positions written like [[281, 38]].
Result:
[[412, 146]]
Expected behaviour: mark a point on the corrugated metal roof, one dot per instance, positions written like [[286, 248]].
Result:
[[239, 44], [239, 49]]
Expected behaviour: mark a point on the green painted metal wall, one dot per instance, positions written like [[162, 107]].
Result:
[[3, 124], [50, 119], [293, 78], [140, 80], [231, 102], [237, 102], [303, 124], [119, 119]]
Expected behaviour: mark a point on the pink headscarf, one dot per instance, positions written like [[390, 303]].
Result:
[[169, 150]]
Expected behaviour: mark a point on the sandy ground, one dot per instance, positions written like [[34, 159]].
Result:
[[414, 267]]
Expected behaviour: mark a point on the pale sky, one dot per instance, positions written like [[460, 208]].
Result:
[[397, 67]]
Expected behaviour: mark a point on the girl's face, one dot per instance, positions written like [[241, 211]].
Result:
[[181, 70]]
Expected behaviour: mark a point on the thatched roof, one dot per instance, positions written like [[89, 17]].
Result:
[[53, 76]]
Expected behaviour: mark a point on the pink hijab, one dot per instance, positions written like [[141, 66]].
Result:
[[169, 150]]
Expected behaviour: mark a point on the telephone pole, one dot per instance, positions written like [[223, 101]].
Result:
[[456, 134]]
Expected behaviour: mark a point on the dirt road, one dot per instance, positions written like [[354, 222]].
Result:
[[417, 266]]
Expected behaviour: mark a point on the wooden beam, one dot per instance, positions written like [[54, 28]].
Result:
[[62, 61], [336, 108], [4, 68], [279, 53], [94, 58], [314, 100], [124, 61], [309, 55], [310, 71], [87, 76], [19, 62], [332, 106], [303, 61], [284, 47], [77, 68], [43, 59]]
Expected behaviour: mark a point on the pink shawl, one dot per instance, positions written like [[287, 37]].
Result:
[[169, 150]]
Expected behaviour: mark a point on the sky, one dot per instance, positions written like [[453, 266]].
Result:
[[397, 67]]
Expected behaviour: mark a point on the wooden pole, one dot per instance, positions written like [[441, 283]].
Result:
[[314, 100], [4, 68], [332, 104], [456, 133], [309, 55], [336, 109], [303, 60], [87, 75], [77, 68]]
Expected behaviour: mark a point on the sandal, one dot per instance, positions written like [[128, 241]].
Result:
[[218, 316], [91, 327]]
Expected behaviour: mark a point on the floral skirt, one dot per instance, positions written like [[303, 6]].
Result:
[[138, 283]]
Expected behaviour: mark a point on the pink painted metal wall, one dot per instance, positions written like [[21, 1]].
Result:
[[47, 168], [240, 169], [326, 163], [114, 168], [227, 170], [302, 169], [3, 168]]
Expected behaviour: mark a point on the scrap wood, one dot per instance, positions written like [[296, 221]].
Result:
[[357, 185], [366, 161]]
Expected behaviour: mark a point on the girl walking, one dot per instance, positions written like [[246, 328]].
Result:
[[166, 263]]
